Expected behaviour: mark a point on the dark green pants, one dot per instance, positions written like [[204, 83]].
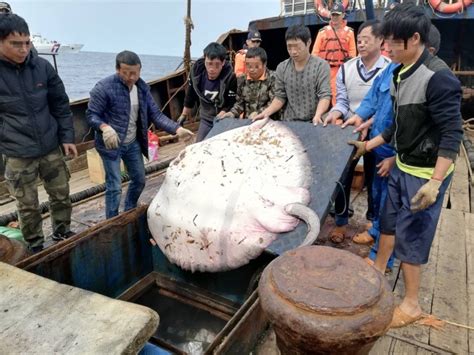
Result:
[[22, 177]]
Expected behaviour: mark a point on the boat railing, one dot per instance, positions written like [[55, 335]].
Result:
[[297, 7], [305, 7]]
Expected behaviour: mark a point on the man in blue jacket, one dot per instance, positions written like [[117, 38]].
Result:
[[426, 134], [120, 110], [36, 122]]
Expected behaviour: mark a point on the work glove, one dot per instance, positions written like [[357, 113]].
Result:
[[185, 134], [181, 120], [361, 148], [425, 196], [111, 139]]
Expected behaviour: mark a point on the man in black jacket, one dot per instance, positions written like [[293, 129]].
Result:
[[212, 82], [426, 134], [35, 122]]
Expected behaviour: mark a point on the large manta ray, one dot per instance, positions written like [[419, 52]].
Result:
[[224, 200]]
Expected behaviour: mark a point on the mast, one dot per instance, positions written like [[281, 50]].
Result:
[[187, 38]]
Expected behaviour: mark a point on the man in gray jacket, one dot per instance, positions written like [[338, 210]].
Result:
[[302, 87], [35, 121]]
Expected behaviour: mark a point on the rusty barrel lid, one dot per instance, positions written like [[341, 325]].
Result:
[[325, 280]]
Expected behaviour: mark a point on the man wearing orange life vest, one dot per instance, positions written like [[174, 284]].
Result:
[[253, 40], [335, 43]]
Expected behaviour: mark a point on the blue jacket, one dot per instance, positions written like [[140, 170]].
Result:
[[378, 103], [110, 103]]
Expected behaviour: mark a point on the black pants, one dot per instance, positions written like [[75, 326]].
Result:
[[343, 197], [204, 128]]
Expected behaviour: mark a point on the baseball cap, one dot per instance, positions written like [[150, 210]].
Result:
[[5, 7], [254, 35], [337, 8]]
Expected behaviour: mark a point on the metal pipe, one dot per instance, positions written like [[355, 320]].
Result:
[[369, 9], [82, 195]]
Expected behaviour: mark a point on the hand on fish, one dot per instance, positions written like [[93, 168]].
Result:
[[223, 200], [185, 134]]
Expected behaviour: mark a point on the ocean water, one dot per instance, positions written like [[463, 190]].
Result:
[[81, 71]]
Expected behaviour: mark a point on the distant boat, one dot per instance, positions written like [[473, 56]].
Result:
[[45, 46]]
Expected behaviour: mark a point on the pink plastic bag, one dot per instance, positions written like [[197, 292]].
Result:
[[153, 144]]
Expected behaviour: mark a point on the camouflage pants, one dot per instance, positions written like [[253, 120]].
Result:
[[22, 177]]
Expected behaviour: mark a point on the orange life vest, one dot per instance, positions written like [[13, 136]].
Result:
[[239, 62], [335, 49]]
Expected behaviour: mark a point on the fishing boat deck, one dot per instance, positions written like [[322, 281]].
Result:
[[447, 282], [447, 290]]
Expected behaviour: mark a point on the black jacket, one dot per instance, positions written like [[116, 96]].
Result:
[[224, 101], [35, 116], [427, 104]]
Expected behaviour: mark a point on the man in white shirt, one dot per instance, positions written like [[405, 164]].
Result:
[[354, 79]]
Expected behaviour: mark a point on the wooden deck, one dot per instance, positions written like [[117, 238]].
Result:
[[447, 281], [80, 181], [447, 290]]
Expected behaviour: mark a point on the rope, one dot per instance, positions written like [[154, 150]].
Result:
[[468, 125], [431, 320], [173, 96]]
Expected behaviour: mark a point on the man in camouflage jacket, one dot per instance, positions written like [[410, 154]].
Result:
[[255, 89]]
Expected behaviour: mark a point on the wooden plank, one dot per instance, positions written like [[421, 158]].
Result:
[[469, 219], [459, 191], [421, 351], [450, 292], [428, 276], [77, 164], [421, 347], [382, 346], [243, 337], [402, 348], [446, 195], [44, 317]]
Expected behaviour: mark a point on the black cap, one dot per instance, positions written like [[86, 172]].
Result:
[[337, 8], [5, 7], [254, 35]]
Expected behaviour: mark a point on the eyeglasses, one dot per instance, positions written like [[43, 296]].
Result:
[[20, 44], [255, 41]]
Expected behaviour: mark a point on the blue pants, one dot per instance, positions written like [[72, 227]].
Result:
[[414, 232], [131, 155], [379, 196]]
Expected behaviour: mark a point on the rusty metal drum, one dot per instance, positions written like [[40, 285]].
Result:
[[322, 300]]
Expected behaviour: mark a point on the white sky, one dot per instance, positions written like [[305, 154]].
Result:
[[146, 27]]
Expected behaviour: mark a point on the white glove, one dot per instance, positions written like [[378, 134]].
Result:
[[426, 195], [111, 139], [185, 134]]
